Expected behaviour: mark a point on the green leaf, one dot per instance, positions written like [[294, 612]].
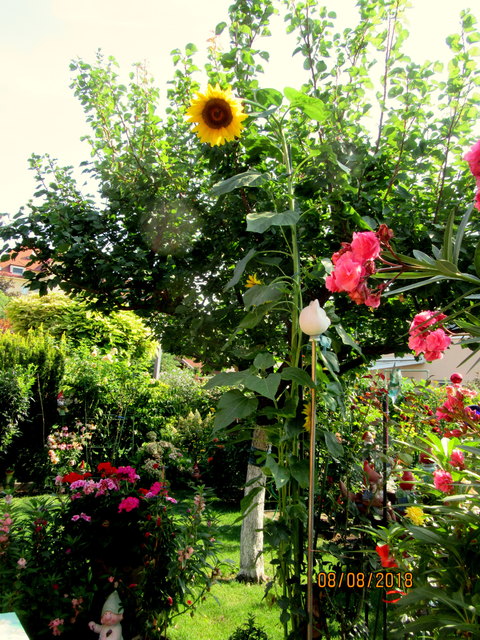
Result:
[[312, 107], [299, 376], [300, 471], [280, 474], [233, 405], [266, 387], [346, 338], [249, 178], [247, 500], [268, 97], [264, 361], [260, 222], [457, 245], [239, 269], [334, 447], [261, 294], [447, 248], [422, 257], [476, 259], [255, 316], [446, 267], [226, 379]]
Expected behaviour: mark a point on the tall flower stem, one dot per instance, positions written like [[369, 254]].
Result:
[[311, 491]]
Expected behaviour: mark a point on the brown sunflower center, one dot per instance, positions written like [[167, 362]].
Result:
[[217, 113]]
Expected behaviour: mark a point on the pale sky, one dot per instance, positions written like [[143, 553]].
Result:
[[38, 38]]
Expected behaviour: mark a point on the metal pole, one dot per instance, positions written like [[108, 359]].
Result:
[[311, 491]]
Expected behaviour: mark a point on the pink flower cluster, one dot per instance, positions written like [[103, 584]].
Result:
[[100, 488], [457, 459], [5, 524], [473, 158], [82, 516], [355, 262], [424, 338], [127, 473], [454, 408], [128, 504], [443, 481], [184, 555], [54, 626]]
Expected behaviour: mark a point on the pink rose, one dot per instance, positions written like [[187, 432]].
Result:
[[437, 340], [417, 343], [365, 246], [443, 481], [348, 273], [331, 283]]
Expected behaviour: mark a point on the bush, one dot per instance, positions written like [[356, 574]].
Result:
[[15, 386], [59, 315], [44, 360], [105, 533], [249, 631]]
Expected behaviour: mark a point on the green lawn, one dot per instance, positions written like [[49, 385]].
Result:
[[230, 602]]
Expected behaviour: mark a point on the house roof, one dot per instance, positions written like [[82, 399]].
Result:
[[21, 260]]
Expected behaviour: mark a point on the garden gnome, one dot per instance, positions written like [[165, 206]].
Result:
[[110, 627]]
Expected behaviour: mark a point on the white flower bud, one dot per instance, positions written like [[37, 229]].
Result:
[[313, 319]]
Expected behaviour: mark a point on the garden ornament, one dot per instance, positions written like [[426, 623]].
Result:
[[112, 615]]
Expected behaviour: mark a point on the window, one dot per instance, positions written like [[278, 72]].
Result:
[[17, 271]]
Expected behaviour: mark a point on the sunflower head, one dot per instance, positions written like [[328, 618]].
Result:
[[252, 281], [218, 114], [307, 412]]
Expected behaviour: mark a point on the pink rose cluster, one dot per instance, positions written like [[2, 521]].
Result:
[[355, 262], [473, 158], [426, 337]]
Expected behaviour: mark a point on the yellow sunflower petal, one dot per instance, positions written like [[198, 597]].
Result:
[[252, 281], [218, 115]]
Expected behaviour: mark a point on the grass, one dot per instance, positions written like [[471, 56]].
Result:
[[230, 602]]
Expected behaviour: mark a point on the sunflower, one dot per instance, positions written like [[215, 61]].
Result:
[[252, 280], [307, 412], [218, 114]]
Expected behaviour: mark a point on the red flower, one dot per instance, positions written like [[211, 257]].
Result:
[[170, 600], [107, 469], [73, 477], [407, 484], [385, 557]]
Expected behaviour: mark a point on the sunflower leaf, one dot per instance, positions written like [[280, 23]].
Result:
[[260, 222], [246, 179], [312, 107], [239, 269]]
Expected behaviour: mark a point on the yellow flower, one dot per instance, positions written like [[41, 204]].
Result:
[[415, 514], [307, 412], [218, 114], [252, 281]]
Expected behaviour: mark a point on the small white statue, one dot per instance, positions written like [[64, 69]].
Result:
[[112, 615]]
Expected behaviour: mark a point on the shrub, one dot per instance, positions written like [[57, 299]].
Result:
[[59, 315], [44, 359], [105, 533], [15, 386], [249, 631]]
